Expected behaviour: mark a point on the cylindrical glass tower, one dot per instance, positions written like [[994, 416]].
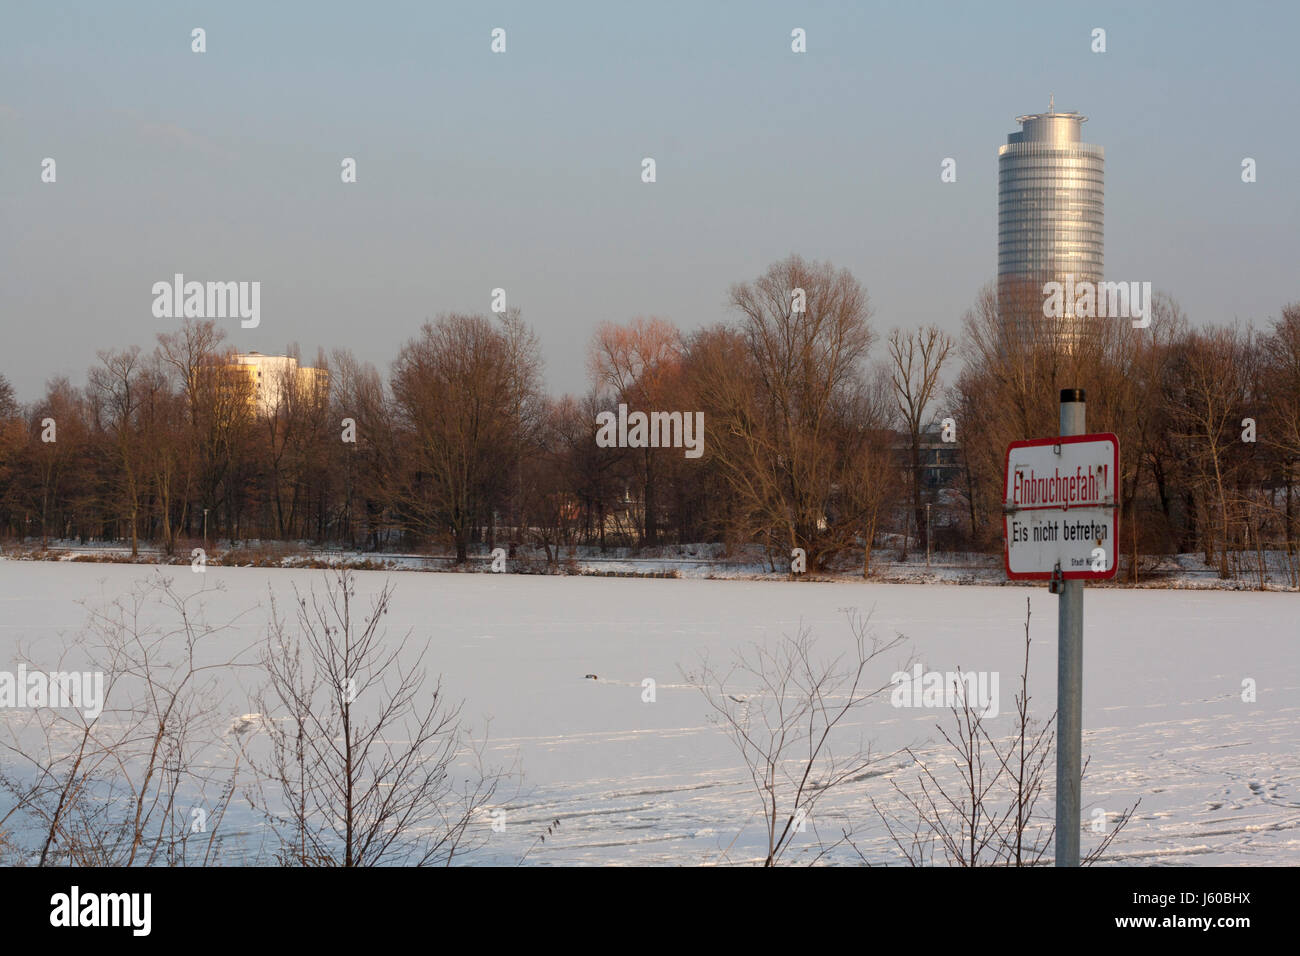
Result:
[[1050, 203]]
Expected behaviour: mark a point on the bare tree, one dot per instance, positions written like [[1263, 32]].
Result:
[[367, 467], [1206, 398], [867, 482], [641, 363], [916, 359], [527, 412], [1281, 415], [219, 396], [459, 389], [116, 384], [775, 394]]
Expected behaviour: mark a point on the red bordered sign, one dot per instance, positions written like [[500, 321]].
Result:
[[1059, 513]]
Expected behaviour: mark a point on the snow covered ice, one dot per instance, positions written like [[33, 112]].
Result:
[[656, 783]]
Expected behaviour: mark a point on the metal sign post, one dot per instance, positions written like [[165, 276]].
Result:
[[1069, 677], [1060, 525]]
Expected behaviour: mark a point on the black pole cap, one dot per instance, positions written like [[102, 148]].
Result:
[[1072, 395]]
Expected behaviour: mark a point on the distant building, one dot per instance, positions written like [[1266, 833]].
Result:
[[940, 460], [275, 377], [1050, 214]]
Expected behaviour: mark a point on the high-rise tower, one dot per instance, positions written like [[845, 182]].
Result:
[[1050, 204]]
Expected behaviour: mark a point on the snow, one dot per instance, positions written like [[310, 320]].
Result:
[[657, 783], [703, 561]]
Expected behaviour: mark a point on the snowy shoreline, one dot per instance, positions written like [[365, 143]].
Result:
[[700, 562]]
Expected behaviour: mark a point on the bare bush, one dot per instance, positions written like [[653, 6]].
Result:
[[985, 812], [148, 779], [362, 771], [787, 713]]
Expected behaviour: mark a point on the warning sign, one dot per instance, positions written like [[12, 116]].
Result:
[[1059, 507]]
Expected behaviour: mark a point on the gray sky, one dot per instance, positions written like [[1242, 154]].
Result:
[[522, 170]]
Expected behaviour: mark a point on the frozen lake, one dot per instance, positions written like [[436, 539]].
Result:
[[657, 783]]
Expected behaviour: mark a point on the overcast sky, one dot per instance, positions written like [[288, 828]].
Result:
[[522, 170]]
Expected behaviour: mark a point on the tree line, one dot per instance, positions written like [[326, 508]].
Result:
[[820, 434]]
